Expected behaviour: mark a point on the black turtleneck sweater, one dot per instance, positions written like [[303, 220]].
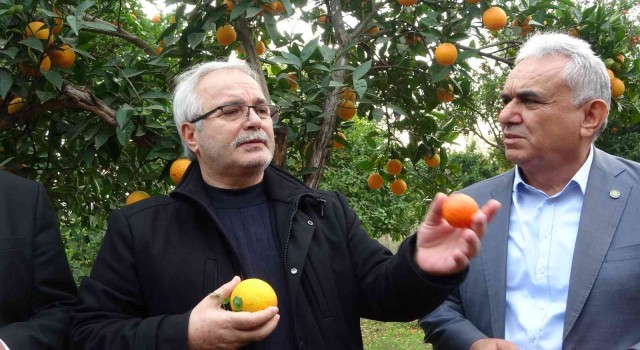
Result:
[[244, 213]]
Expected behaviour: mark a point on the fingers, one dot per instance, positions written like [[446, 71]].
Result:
[[225, 290], [434, 214], [251, 320]]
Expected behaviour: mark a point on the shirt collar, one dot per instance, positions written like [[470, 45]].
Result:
[[580, 178]]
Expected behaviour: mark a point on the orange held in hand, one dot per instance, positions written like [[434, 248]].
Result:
[[252, 295], [458, 210]]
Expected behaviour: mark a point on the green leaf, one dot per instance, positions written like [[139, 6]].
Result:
[[309, 49], [102, 137], [45, 96], [11, 52], [99, 26], [360, 86], [6, 80], [54, 78], [33, 43], [237, 303], [123, 115], [361, 70], [75, 23], [195, 39], [311, 127], [82, 8]]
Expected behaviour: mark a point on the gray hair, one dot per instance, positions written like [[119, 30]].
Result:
[[585, 74], [187, 105]]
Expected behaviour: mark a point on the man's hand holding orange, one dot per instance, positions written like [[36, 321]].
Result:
[[444, 249]]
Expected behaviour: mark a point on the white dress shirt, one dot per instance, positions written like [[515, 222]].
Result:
[[542, 237]]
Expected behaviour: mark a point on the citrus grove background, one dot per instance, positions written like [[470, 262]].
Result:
[[85, 93]]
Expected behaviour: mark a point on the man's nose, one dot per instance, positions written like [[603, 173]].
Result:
[[510, 114]]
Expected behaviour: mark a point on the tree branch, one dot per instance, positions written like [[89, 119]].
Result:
[[120, 33], [74, 98]]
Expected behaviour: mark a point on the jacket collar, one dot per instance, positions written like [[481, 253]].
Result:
[[280, 185]]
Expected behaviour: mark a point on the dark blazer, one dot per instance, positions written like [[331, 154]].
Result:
[[162, 255], [603, 308], [36, 285]]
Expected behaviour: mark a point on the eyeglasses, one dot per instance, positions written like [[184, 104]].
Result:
[[233, 112]]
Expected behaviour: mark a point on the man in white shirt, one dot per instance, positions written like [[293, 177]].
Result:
[[560, 269]]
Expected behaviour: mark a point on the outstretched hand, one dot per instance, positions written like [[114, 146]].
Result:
[[212, 327], [442, 249]]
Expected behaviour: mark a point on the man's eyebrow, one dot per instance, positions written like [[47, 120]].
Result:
[[522, 95]]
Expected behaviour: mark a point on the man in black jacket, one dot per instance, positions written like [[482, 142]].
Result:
[[36, 286], [167, 263]]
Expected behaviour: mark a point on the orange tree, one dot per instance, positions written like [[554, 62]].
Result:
[[94, 123]]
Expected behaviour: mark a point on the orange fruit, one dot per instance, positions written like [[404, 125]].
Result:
[[270, 7], [611, 75], [573, 32], [159, 49], [136, 196], [156, 18], [446, 54], [346, 110], [226, 35], [620, 58], [260, 48], [373, 30], [617, 88], [458, 210], [445, 95], [407, 2], [433, 161], [398, 187], [15, 105], [292, 79], [229, 4], [394, 167], [280, 9], [412, 38], [323, 19], [58, 24], [177, 169], [252, 295], [37, 29], [64, 56], [336, 143], [494, 18], [28, 69], [348, 93], [374, 181]]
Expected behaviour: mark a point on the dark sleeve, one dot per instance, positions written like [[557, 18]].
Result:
[[392, 287], [447, 328], [111, 313], [52, 289]]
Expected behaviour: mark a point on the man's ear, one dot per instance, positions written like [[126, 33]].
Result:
[[595, 113], [189, 135]]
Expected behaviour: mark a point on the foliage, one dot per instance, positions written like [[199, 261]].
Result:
[[474, 166], [96, 131]]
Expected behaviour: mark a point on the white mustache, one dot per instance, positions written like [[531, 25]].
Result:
[[252, 135]]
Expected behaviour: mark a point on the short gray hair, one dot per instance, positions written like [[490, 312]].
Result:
[[187, 105], [585, 74]]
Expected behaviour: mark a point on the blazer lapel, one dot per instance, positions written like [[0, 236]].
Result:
[[606, 196], [495, 263]]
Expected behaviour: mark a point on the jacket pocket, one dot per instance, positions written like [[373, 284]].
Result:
[[623, 253], [313, 288]]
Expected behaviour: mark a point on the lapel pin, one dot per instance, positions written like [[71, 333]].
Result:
[[615, 194]]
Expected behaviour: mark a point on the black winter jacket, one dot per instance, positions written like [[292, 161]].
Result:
[[162, 256]]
